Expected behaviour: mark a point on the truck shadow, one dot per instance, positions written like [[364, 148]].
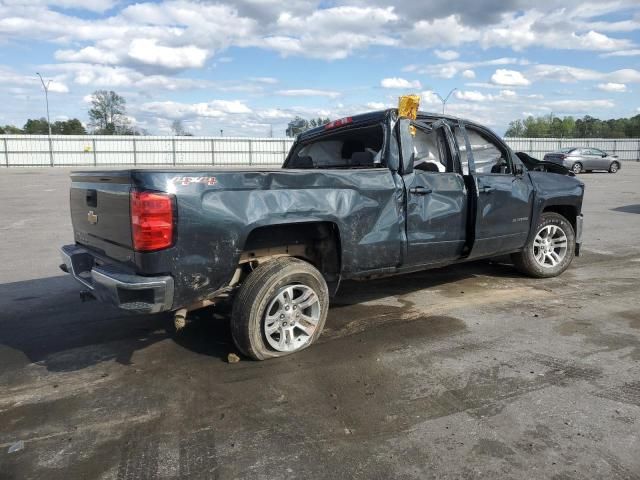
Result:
[[43, 321], [634, 208]]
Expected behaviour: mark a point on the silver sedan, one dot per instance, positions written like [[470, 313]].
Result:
[[583, 159]]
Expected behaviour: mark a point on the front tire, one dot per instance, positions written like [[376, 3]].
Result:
[[576, 168], [551, 249], [614, 167], [280, 308]]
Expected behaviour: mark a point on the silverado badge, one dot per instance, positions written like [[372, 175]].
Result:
[[92, 218]]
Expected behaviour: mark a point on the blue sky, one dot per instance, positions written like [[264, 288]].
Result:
[[249, 66]]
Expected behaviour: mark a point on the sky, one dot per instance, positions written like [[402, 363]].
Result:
[[247, 67]]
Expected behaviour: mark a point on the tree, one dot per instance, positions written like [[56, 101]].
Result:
[[10, 130], [69, 127], [36, 127], [108, 114], [568, 127], [516, 129], [178, 129]]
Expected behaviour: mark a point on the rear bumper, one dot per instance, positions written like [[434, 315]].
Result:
[[579, 220], [117, 286]]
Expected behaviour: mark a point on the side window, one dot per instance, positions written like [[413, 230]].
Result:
[[488, 156], [431, 152]]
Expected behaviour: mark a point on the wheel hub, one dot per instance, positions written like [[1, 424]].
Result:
[[550, 246], [291, 317]]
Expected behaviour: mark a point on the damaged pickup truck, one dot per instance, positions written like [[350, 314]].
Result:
[[364, 196]]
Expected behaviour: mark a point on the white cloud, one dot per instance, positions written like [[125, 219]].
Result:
[[376, 105], [58, 87], [397, 82], [308, 92], [147, 51], [430, 98], [446, 54], [469, 74], [212, 109], [579, 106], [613, 87], [623, 53], [451, 69], [509, 78], [266, 80], [471, 95], [87, 54], [568, 74]]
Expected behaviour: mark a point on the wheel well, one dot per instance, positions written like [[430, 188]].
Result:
[[567, 211], [315, 242]]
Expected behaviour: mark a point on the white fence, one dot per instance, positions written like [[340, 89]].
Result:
[[111, 151], [102, 150]]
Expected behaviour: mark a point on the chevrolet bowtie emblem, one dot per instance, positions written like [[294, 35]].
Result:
[[92, 218]]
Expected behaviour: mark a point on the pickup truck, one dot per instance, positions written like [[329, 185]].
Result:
[[368, 195]]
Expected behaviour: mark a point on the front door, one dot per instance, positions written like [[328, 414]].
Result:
[[504, 198], [436, 197]]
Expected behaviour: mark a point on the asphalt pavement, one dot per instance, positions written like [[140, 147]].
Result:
[[471, 371]]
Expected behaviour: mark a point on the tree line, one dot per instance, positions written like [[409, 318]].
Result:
[[107, 116], [569, 127]]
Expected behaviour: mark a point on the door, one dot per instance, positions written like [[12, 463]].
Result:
[[504, 197], [599, 159], [436, 196]]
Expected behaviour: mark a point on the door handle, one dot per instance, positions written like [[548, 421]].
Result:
[[420, 190], [486, 189]]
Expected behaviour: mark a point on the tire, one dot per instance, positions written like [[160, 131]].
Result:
[[533, 260], [614, 167], [278, 287], [576, 168]]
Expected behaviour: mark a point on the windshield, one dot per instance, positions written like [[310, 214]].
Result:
[[350, 148]]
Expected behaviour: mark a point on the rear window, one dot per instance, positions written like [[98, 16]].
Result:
[[350, 148]]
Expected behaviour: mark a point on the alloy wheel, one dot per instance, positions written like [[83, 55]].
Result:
[[550, 246], [291, 317]]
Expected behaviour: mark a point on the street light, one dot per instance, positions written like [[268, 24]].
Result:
[[444, 100], [46, 98]]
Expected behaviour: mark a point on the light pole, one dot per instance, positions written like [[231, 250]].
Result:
[[46, 98], [444, 100]]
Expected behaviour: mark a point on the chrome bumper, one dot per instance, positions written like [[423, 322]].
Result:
[[114, 285], [579, 220]]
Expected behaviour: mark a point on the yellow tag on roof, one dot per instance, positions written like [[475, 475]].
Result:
[[408, 106]]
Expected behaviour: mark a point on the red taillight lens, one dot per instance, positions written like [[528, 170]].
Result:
[[151, 220]]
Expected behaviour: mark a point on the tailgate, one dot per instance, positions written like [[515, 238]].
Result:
[[100, 212]]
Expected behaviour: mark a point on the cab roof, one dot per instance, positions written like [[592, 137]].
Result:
[[372, 117]]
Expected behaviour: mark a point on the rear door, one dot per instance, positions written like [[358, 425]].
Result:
[[436, 196], [100, 212], [504, 199]]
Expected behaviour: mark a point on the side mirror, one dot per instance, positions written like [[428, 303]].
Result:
[[604, 155], [518, 169]]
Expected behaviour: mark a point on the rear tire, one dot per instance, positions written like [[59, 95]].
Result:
[[614, 167], [576, 168], [550, 251], [280, 308]]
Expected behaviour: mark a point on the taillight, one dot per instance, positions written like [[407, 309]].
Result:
[[151, 220], [563, 156]]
